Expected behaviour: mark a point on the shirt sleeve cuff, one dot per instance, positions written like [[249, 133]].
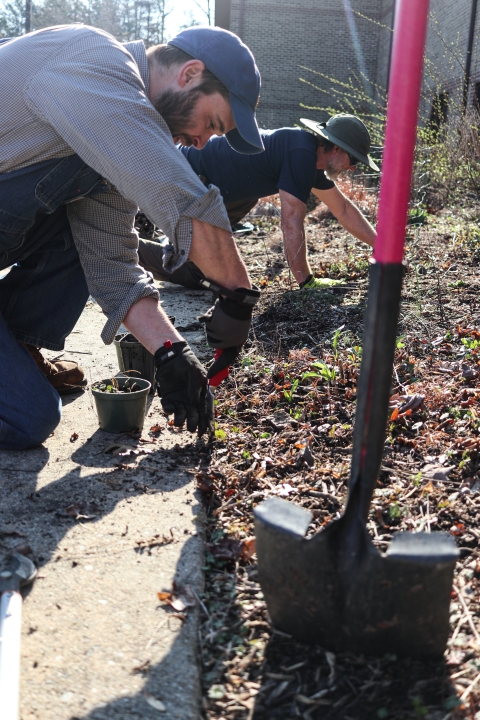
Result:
[[208, 208], [143, 288]]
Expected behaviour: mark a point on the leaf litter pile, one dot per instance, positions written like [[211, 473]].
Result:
[[284, 427]]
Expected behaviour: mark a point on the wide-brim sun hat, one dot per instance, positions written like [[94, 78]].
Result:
[[349, 133], [231, 61]]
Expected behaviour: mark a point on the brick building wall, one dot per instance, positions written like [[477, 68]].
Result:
[[347, 41], [385, 31], [447, 45], [285, 35]]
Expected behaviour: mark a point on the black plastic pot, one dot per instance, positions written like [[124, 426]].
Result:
[[132, 355], [122, 412]]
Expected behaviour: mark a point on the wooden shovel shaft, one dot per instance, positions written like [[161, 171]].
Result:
[[10, 634]]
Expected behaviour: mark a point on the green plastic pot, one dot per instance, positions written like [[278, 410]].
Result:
[[122, 412]]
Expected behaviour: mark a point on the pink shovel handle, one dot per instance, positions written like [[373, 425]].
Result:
[[401, 130]]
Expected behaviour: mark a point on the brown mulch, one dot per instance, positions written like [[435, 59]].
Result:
[[284, 427]]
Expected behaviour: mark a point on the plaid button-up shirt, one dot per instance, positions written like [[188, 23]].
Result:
[[75, 89]]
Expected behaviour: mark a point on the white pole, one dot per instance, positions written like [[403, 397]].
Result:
[[10, 633]]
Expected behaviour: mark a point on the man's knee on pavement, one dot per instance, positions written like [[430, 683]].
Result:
[[45, 420], [32, 426]]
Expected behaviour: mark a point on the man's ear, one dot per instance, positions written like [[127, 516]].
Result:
[[190, 73]]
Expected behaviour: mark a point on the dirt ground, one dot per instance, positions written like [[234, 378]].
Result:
[[285, 421], [99, 643], [110, 521]]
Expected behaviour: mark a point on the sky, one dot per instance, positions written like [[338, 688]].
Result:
[[181, 12]]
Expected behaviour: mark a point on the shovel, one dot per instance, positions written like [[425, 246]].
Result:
[[20, 571], [335, 588]]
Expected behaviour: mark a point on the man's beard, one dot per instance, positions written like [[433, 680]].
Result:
[[177, 108], [331, 172]]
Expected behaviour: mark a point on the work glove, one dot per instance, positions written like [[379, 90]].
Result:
[[313, 283], [182, 386], [227, 323]]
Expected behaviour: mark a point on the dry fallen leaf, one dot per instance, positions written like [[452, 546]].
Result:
[[247, 549], [73, 437], [468, 373], [433, 471], [177, 604], [306, 456], [225, 549], [405, 403], [8, 533], [125, 449], [156, 429], [155, 702], [22, 548], [449, 367], [117, 448], [179, 599], [205, 483], [82, 510]]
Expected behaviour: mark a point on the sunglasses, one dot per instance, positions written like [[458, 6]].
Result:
[[353, 160]]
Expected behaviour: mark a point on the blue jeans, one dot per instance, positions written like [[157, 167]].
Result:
[[43, 295]]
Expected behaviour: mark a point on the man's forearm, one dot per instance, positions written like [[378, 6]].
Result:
[[213, 250], [215, 253], [147, 320], [295, 248], [357, 224]]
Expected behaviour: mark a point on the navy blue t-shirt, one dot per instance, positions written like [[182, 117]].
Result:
[[288, 163]]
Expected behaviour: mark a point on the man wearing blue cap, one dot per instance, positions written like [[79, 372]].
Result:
[[86, 127]]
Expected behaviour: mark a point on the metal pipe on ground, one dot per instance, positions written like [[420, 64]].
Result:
[[19, 572]]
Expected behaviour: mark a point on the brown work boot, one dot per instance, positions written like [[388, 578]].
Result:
[[66, 376]]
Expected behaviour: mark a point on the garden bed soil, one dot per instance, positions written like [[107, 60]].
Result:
[[284, 428]]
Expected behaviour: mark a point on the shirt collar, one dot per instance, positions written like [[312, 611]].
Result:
[[137, 50]]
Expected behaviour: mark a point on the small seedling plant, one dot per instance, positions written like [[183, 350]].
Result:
[[114, 388]]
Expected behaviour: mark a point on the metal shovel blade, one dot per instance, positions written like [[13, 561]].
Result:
[[335, 588], [362, 601]]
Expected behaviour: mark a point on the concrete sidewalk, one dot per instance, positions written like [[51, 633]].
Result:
[[97, 643]]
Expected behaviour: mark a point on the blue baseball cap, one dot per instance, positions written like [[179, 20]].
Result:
[[225, 55]]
